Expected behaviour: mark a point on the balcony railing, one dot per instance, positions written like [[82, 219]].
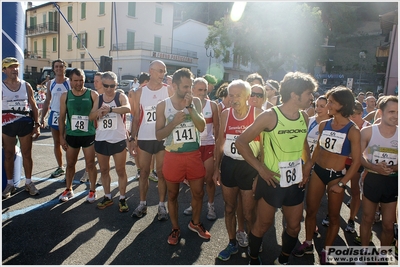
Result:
[[152, 47], [43, 28]]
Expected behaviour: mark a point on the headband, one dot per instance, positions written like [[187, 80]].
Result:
[[270, 85]]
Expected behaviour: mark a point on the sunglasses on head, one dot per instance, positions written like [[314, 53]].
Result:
[[109, 85], [258, 95]]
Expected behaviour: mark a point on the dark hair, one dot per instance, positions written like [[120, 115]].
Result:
[[344, 97], [99, 73], [255, 76], [369, 93], [77, 72], [358, 108], [275, 85], [385, 99], [58, 60], [179, 74], [222, 91], [323, 97], [296, 82], [144, 76]]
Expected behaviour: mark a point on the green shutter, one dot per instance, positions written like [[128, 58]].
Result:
[[44, 48], [54, 44], [101, 37], [69, 13], [83, 11], [132, 9], [69, 42], [157, 44], [35, 47], [102, 8], [130, 41], [158, 15]]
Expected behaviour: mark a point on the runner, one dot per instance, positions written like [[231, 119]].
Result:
[[19, 118], [76, 131], [109, 109], [281, 174], [55, 88], [179, 122]]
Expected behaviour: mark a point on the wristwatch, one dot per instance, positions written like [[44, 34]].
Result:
[[190, 106], [341, 184], [132, 139]]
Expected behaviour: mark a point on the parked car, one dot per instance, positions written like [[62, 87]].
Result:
[[89, 76], [126, 85]]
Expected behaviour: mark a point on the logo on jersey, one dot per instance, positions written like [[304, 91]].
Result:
[[292, 131]]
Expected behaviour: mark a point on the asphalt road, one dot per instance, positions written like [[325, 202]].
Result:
[[41, 230]]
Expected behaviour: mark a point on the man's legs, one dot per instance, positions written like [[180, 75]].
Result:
[[26, 151], [120, 163], [9, 154], [72, 157], [89, 153], [144, 162], [104, 164], [196, 187], [162, 186], [248, 203], [388, 219], [57, 147], [368, 216], [173, 193]]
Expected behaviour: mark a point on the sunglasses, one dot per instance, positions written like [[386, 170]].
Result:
[[109, 85], [258, 95]]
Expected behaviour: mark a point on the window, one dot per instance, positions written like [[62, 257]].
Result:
[[158, 15], [81, 42], [54, 44], [52, 18], [44, 48], [83, 11], [83, 61], [157, 44], [131, 9], [44, 19], [69, 13], [102, 7], [69, 42], [130, 41], [101, 38], [32, 22], [35, 47]]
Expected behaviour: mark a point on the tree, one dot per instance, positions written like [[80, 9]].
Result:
[[270, 34]]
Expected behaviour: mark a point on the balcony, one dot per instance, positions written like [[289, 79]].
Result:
[[151, 47], [41, 29]]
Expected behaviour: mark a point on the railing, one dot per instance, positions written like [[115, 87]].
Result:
[[42, 28], [151, 47]]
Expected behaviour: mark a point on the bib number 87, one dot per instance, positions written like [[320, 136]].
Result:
[[328, 143], [291, 175]]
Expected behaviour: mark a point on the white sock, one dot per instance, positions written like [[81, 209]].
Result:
[[308, 242], [210, 204], [28, 181], [161, 204], [108, 195], [143, 202], [11, 182], [121, 197]]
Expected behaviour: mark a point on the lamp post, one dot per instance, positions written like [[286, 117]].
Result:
[[362, 56], [210, 54]]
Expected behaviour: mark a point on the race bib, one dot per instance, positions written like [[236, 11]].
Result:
[[21, 105], [312, 143], [230, 148], [291, 173], [79, 122], [332, 141], [108, 122], [150, 114], [184, 133], [389, 158], [54, 119]]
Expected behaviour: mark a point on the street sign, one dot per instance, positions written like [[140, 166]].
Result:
[[349, 83]]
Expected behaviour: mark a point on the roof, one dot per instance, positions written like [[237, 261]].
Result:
[[190, 21], [388, 20]]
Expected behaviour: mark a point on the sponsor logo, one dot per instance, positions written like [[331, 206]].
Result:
[[292, 131], [294, 136]]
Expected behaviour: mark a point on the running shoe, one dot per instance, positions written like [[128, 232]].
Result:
[[153, 176], [162, 213], [199, 229], [304, 249], [211, 215], [350, 227], [348, 203], [123, 207], [136, 177], [140, 211], [188, 211], [105, 203], [85, 177], [66, 195], [173, 237], [231, 249], [242, 239], [31, 188], [58, 172], [91, 197], [8, 191], [325, 222], [377, 217], [276, 262]]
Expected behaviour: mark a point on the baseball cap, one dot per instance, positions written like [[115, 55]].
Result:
[[8, 61]]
